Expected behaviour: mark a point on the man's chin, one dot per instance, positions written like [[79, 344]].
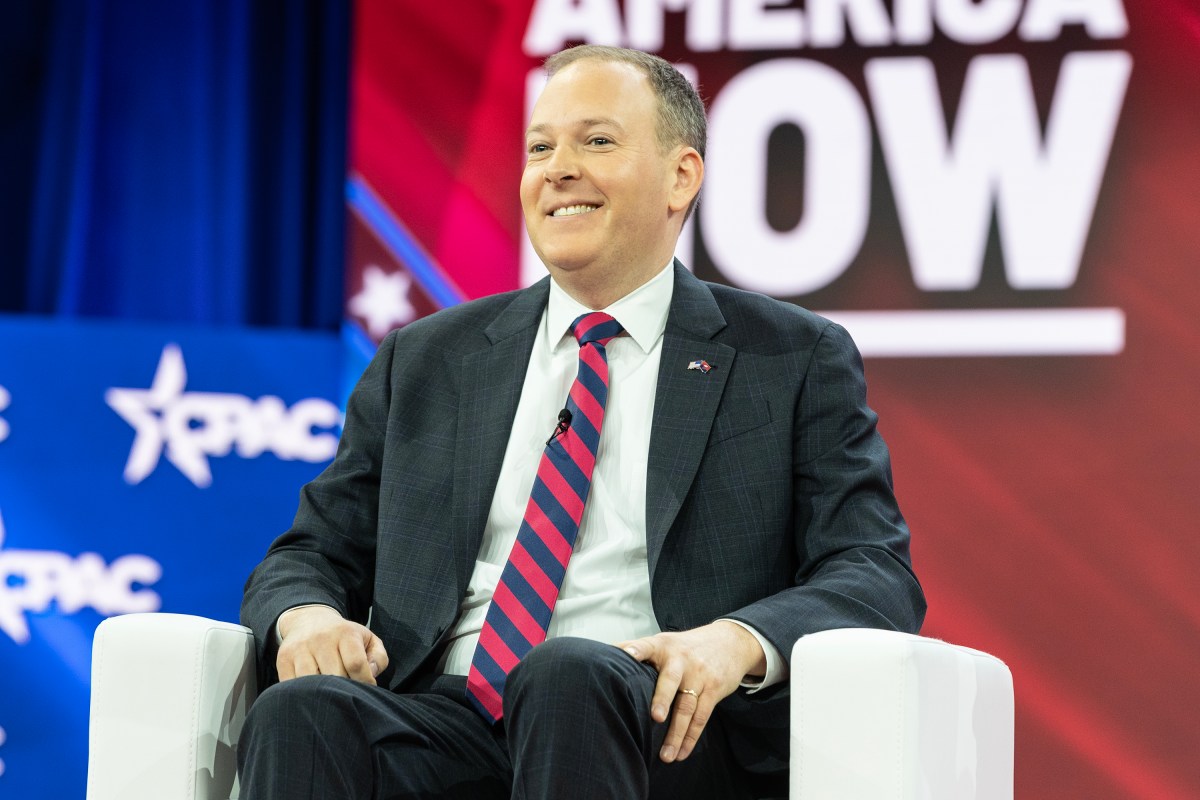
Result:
[[567, 263]]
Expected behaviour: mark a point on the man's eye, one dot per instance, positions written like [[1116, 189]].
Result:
[[538, 148], [601, 140]]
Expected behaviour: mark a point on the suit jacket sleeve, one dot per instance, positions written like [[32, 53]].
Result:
[[850, 542], [328, 555]]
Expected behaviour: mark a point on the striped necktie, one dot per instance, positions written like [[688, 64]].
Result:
[[524, 598]]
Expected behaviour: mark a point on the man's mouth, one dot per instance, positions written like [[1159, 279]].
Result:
[[571, 211]]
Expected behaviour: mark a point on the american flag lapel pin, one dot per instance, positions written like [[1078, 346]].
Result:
[[701, 365]]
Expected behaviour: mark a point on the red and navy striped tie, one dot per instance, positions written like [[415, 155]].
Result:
[[524, 598]]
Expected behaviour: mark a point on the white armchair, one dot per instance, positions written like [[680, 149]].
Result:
[[878, 715]]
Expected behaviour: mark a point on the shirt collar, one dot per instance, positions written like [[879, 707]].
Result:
[[642, 312]]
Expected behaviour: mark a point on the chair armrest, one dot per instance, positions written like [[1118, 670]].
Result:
[[169, 695], [881, 715]]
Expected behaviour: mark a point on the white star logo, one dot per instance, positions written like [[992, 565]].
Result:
[[142, 408], [383, 301]]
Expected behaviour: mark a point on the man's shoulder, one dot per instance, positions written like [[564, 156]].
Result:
[[754, 317], [466, 324]]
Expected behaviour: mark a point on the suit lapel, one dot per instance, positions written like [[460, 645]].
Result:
[[685, 403], [491, 379]]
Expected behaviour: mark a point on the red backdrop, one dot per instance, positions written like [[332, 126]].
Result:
[[1050, 496]]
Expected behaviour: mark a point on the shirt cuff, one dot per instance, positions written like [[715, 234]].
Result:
[[777, 669]]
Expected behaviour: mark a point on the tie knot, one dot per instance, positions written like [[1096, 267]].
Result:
[[596, 327]]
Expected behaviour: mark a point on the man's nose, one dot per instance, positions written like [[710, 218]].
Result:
[[562, 166]]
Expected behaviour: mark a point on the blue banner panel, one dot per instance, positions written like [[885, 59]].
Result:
[[142, 468]]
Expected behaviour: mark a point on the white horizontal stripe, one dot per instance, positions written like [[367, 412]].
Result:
[[985, 332]]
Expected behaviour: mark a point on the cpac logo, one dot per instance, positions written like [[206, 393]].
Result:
[[191, 426], [31, 579]]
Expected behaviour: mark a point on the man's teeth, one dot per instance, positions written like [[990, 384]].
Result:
[[571, 211]]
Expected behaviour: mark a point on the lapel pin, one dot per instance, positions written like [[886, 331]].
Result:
[[701, 365]]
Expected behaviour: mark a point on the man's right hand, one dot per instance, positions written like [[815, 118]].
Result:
[[316, 640]]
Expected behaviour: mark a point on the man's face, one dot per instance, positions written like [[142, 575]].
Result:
[[598, 191]]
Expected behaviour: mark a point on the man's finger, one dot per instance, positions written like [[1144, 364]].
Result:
[[329, 661], [704, 709], [641, 649], [377, 655], [296, 664], [665, 690], [686, 703], [353, 656], [284, 667]]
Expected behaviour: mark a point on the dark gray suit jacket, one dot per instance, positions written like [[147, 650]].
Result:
[[769, 496]]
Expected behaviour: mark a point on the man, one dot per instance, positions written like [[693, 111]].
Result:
[[734, 496]]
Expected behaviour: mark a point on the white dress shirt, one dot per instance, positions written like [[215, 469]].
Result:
[[605, 595]]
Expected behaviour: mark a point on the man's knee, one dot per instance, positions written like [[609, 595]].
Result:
[[294, 702], [305, 738], [301, 712], [570, 659], [571, 670]]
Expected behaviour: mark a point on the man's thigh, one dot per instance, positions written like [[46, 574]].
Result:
[[438, 746], [323, 735], [590, 734]]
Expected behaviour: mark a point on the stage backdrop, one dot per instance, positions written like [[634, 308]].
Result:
[[998, 199], [142, 468], [180, 163]]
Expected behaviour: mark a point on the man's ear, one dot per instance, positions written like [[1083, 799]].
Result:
[[689, 174]]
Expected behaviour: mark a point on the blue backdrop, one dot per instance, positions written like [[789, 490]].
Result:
[[174, 161], [172, 214], [142, 468]]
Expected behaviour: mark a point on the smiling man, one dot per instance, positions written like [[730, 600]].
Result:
[[572, 532], [604, 196]]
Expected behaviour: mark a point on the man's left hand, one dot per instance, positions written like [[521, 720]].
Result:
[[696, 670]]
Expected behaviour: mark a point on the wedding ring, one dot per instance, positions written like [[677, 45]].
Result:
[[692, 692]]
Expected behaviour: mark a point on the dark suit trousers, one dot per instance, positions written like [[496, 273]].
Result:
[[576, 725]]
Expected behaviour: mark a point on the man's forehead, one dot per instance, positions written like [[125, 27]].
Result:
[[591, 92]]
